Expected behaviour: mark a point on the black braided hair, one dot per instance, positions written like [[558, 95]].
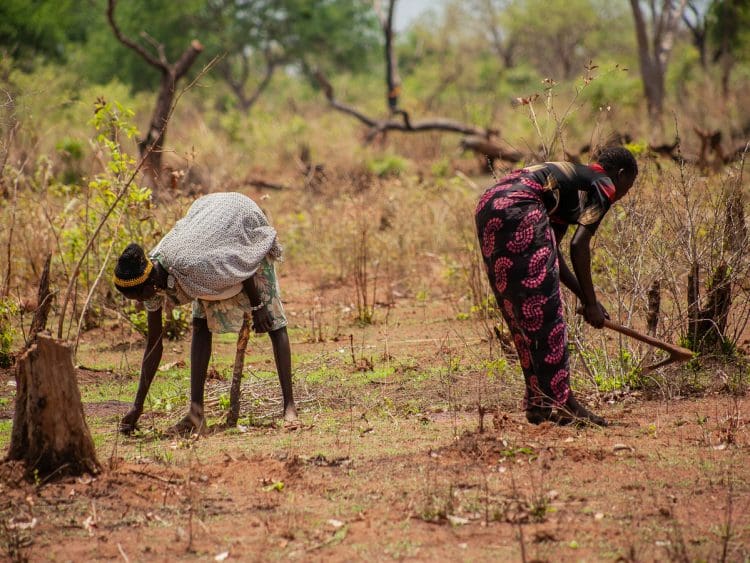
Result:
[[616, 160], [131, 264]]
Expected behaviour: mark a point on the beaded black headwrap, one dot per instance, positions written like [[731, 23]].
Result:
[[133, 267]]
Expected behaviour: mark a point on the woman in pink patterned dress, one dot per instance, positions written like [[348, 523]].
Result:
[[520, 222]]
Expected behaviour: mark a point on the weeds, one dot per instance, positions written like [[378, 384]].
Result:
[[8, 309]]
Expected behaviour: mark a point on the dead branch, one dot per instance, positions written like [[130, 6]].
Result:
[[239, 362], [490, 150], [10, 136], [262, 184], [11, 228], [404, 124], [44, 302]]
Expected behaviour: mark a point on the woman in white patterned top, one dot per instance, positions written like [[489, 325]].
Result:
[[221, 257]]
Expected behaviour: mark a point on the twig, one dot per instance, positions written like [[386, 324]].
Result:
[[93, 289], [157, 477], [122, 553]]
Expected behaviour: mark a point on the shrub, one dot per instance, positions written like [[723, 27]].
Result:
[[8, 309]]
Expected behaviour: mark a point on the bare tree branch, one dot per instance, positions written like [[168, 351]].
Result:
[[404, 124], [237, 85], [145, 55], [187, 59]]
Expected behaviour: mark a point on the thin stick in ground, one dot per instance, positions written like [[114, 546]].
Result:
[[239, 364]]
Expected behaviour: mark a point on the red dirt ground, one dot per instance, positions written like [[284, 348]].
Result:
[[370, 475]]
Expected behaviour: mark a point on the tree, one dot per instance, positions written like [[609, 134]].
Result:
[[695, 19], [551, 34], [728, 29], [30, 27], [152, 144], [149, 22], [490, 14], [262, 36], [399, 119], [655, 37]]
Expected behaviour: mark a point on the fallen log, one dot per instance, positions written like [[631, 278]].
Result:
[[490, 150]]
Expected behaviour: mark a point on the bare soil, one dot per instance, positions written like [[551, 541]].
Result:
[[389, 461]]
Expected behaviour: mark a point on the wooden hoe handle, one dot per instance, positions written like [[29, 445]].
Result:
[[676, 353]]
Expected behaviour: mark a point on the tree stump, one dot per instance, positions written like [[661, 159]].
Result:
[[50, 432]]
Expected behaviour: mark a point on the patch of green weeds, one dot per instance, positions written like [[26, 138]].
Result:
[[5, 428], [322, 375], [436, 507], [380, 373], [403, 549], [388, 165], [277, 486], [163, 455], [8, 310], [495, 368], [512, 452], [539, 507], [651, 431], [224, 401]]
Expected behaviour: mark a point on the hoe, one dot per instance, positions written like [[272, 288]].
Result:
[[676, 353]]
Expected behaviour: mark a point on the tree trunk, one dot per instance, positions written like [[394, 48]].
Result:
[[157, 129], [239, 362], [654, 305], [393, 81], [50, 433], [693, 304], [653, 52]]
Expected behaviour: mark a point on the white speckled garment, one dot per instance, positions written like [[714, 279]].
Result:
[[218, 244]]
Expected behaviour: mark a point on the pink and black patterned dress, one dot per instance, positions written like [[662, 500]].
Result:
[[520, 253]]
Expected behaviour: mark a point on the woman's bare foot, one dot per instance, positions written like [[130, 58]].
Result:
[[290, 413], [538, 414], [574, 412], [192, 423]]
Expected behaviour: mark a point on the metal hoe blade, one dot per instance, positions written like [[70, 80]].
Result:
[[676, 353]]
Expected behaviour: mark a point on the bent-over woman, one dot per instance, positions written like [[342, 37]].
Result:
[[221, 257], [521, 222]]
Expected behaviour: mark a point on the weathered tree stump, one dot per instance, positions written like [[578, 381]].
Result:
[[239, 362], [50, 433]]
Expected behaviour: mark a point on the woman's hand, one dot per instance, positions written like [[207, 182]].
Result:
[[595, 314], [262, 320]]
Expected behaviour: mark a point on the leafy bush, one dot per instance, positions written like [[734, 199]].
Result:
[[8, 309], [387, 165]]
